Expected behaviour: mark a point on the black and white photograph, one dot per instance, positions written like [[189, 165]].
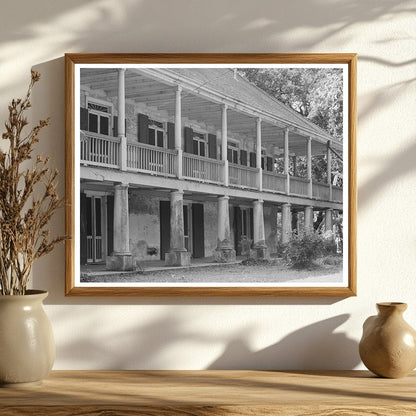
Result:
[[211, 175]]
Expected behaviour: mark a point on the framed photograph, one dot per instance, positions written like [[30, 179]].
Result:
[[211, 174]]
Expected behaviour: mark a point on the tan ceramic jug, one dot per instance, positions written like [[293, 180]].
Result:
[[388, 344], [27, 347]]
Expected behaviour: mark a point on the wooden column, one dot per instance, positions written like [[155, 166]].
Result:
[[121, 126], [329, 168], [224, 252], [258, 155], [178, 132], [308, 219], [259, 243], [328, 220], [286, 165], [224, 139], [309, 166], [177, 256], [121, 258], [286, 223]]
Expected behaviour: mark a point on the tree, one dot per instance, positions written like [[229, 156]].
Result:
[[316, 93]]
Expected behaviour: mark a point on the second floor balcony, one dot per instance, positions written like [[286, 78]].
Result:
[[107, 152]]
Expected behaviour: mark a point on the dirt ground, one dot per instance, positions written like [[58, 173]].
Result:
[[274, 272]]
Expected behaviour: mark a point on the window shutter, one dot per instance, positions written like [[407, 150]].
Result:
[[115, 126], [230, 155], [252, 160], [143, 128], [252, 224], [269, 163], [243, 157], [84, 119], [83, 228], [237, 230], [171, 135], [110, 224], [189, 138], [212, 146]]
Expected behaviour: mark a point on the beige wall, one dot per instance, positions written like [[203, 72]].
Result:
[[196, 333]]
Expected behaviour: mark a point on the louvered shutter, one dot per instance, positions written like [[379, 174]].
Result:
[[269, 163], [110, 224], [212, 146], [142, 128], [84, 119], [115, 126], [171, 135], [189, 138], [243, 157], [83, 227]]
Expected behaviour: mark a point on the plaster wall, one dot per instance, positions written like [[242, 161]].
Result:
[[200, 333]]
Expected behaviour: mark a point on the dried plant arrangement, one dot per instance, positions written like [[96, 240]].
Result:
[[28, 199]]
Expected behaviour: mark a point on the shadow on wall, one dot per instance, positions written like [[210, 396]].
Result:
[[135, 26], [314, 347], [391, 170], [143, 347], [152, 345]]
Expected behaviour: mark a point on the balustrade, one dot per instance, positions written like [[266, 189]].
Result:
[[147, 158], [203, 169], [299, 186], [244, 176], [99, 150], [274, 181]]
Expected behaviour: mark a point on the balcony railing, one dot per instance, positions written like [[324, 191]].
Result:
[[320, 191], [243, 176], [202, 169], [336, 193], [150, 159], [274, 181], [299, 186], [100, 150]]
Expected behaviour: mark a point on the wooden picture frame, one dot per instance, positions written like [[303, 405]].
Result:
[[127, 183]]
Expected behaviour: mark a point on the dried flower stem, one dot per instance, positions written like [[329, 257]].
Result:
[[23, 217]]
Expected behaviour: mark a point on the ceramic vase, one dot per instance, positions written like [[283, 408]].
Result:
[[388, 345], [27, 347]]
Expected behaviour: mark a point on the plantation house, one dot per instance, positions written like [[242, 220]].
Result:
[[181, 163]]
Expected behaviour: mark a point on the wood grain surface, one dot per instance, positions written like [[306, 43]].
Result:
[[202, 393]]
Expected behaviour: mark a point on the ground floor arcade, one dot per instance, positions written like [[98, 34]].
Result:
[[123, 225]]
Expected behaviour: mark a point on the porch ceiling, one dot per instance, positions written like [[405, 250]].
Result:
[[142, 89]]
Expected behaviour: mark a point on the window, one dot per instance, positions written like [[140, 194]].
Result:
[[232, 152], [99, 117], [156, 133], [199, 144]]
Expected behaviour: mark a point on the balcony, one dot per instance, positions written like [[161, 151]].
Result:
[[105, 151]]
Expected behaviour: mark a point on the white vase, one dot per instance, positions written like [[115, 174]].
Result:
[[27, 347]]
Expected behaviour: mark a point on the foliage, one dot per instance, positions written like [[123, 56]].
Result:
[[316, 93], [245, 245], [28, 199], [303, 249]]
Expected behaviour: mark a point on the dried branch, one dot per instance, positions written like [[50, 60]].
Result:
[[24, 217]]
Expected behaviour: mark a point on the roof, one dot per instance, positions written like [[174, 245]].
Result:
[[226, 81]]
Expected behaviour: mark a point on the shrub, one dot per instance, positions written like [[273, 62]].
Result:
[[245, 245], [303, 249]]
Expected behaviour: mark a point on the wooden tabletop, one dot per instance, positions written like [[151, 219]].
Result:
[[254, 393]]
